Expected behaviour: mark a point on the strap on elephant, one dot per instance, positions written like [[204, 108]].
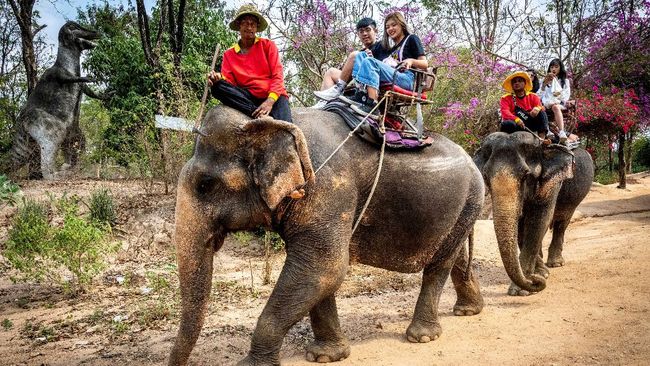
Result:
[[379, 167]]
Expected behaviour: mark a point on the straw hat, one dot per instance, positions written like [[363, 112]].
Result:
[[249, 9], [507, 84]]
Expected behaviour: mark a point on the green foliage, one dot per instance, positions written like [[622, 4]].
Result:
[[102, 208], [27, 244], [275, 240], [641, 154], [606, 177], [7, 324], [40, 243], [9, 191], [140, 89]]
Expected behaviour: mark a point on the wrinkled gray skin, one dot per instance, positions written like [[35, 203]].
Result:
[[533, 188], [238, 179], [50, 118]]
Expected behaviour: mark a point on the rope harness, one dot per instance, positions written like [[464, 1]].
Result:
[[381, 162]]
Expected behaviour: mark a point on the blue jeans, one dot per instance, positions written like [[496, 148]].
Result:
[[370, 71]]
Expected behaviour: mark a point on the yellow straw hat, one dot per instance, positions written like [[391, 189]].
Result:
[[249, 9], [507, 84]]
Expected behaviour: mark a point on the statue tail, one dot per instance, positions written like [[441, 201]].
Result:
[[22, 149]]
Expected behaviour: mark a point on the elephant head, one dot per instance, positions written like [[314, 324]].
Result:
[[524, 178], [239, 174]]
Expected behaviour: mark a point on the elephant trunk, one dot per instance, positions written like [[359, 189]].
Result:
[[195, 247], [506, 200]]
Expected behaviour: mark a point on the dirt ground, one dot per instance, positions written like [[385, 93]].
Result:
[[594, 310]]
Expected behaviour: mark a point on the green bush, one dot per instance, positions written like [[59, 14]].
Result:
[[28, 242], [641, 154], [39, 249], [604, 176], [9, 191], [102, 208]]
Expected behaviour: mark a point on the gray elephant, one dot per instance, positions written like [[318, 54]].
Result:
[[533, 187], [244, 174]]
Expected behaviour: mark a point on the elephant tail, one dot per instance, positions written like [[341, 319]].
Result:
[[470, 251]]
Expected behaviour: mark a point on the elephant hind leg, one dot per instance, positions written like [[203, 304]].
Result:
[[330, 344], [469, 300], [555, 258], [425, 326]]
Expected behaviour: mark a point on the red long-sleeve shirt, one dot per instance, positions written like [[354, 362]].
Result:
[[259, 71], [528, 102]]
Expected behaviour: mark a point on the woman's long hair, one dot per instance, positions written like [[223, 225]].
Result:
[[399, 19], [560, 75]]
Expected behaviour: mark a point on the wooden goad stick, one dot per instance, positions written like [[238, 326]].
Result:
[[204, 99]]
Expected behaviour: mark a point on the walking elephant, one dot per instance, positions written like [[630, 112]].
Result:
[[250, 173], [533, 187]]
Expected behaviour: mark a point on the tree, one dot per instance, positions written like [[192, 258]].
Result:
[[617, 69], [24, 12]]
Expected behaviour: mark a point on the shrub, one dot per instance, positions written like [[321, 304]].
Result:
[[102, 208], [9, 191], [28, 242], [39, 249]]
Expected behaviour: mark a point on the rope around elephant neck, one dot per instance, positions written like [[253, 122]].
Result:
[[374, 185]]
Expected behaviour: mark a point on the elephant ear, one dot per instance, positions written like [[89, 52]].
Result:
[[280, 160], [557, 165]]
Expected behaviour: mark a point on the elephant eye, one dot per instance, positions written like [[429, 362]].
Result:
[[205, 184]]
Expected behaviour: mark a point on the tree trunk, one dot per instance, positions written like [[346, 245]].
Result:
[[621, 160], [23, 10], [628, 155]]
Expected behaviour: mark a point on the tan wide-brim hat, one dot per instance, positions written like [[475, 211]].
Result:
[[249, 9], [507, 84]]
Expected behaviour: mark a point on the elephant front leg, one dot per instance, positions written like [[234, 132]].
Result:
[[305, 283], [330, 344], [425, 326], [469, 300]]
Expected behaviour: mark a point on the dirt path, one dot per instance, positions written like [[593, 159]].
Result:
[[593, 311]]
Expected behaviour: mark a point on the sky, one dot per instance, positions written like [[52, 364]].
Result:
[[55, 13]]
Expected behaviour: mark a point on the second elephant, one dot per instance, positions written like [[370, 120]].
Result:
[[533, 187]]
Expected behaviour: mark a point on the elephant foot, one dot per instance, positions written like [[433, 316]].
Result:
[[467, 309], [555, 261], [515, 290], [542, 270], [319, 351], [249, 361], [423, 332]]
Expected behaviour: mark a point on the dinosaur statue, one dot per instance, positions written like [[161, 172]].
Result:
[[50, 118]]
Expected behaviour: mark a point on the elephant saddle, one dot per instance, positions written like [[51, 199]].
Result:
[[370, 131]]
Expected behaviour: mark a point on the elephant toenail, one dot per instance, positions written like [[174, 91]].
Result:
[[324, 359], [425, 339], [412, 339], [310, 357]]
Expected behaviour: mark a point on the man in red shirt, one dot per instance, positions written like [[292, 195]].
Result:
[[520, 107], [251, 78]]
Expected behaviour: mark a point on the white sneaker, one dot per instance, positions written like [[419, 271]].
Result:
[[331, 93], [320, 105], [562, 137]]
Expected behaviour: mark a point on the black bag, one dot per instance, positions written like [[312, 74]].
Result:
[[522, 114]]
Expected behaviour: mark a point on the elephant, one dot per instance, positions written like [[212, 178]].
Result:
[[246, 174], [534, 187]]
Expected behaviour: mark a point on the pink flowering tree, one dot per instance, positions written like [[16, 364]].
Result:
[[616, 103], [314, 36]]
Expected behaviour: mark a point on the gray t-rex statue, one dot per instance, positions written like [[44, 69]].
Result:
[[50, 118]]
